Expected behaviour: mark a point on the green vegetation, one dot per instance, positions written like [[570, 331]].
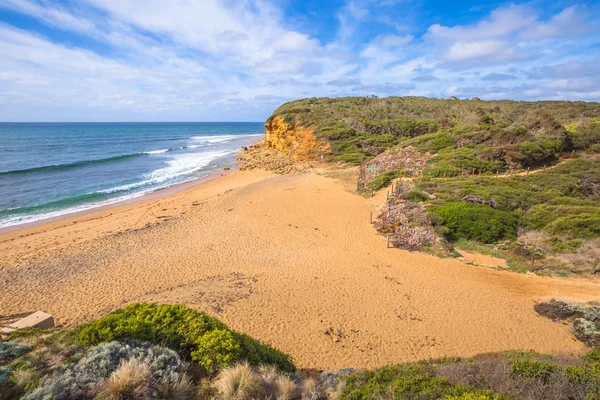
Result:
[[383, 180], [584, 320], [194, 335], [557, 212], [485, 135], [89, 362], [546, 221], [510, 375], [476, 221], [142, 351], [410, 381]]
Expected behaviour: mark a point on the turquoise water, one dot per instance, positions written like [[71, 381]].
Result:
[[49, 169]]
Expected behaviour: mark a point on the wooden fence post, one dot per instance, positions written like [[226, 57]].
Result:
[[371, 218], [572, 154], [528, 169]]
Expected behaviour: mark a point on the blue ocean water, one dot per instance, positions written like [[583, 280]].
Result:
[[49, 169]]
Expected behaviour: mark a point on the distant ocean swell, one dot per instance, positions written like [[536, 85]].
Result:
[[45, 168]]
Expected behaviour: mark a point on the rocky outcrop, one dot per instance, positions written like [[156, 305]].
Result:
[[287, 137]]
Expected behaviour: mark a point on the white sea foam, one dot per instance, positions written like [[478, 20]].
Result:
[[161, 151], [221, 138], [177, 167], [24, 219], [184, 164]]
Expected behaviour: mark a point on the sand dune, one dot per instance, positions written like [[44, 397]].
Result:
[[291, 260]]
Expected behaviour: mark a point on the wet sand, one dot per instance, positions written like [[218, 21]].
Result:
[[284, 259]]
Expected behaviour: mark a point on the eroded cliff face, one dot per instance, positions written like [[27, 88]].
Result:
[[298, 142]]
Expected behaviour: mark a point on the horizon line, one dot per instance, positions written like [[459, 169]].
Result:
[[131, 122]]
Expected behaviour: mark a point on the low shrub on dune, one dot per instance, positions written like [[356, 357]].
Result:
[[476, 221], [205, 340]]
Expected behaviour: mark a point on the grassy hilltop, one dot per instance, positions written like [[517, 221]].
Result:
[[470, 161], [485, 135]]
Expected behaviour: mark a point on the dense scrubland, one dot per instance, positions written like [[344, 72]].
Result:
[[519, 180], [151, 351]]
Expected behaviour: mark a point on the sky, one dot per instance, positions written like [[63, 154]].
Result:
[[238, 60]]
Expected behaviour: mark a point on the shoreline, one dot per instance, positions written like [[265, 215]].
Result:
[[137, 198]]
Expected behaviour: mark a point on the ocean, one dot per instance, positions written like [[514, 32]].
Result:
[[51, 169]]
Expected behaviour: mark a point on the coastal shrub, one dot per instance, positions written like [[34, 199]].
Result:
[[572, 220], [193, 334], [587, 375], [532, 369], [431, 142], [593, 357], [10, 350], [465, 159], [476, 221], [81, 379], [583, 329], [382, 180], [408, 381], [5, 374], [416, 196]]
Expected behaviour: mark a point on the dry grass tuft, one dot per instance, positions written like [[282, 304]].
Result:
[[286, 389], [237, 383], [311, 390], [26, 378], [130, 381], [182, 390], [275, 386], [267, 375]]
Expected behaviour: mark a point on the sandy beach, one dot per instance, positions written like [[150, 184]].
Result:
[[291, 260]]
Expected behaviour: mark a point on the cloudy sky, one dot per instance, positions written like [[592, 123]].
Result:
[[237, 60]]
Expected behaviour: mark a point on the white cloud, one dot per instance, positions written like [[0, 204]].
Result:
[[214, 59], [460, 51]]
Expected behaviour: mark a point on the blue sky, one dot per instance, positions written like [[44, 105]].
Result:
[[227, 60]]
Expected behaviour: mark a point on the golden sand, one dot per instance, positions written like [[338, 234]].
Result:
[[284, 259]]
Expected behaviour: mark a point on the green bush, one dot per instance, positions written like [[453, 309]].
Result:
[[476, 222], [415, 196], [408, 381], [194, 335], [569, 220], [532, 369], [11, 350], [382, 180], [466, 159]]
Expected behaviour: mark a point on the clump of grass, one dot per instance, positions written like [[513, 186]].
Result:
[[182, 389], [237, 382], [130, 380], [26, 379]]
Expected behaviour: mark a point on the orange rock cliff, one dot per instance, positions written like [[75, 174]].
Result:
[[289, 138]]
